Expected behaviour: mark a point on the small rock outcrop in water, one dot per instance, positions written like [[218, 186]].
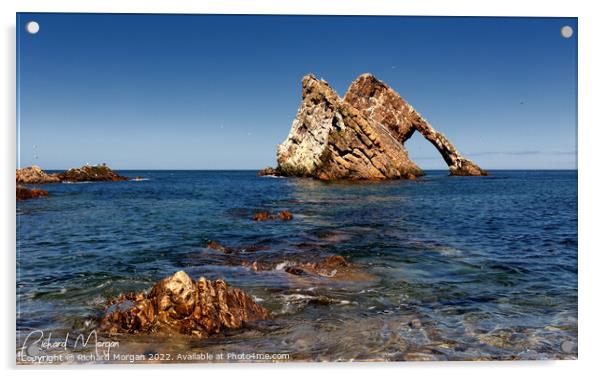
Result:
[[24, 193], [359, 137], [179, 304], [35, 175], [90, 173], [265, 215], [269, 171]]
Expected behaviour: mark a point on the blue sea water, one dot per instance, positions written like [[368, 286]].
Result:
[[459, 267]]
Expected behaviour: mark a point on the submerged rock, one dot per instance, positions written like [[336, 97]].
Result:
[[359, 137], [219, 247], [35, 175], [333, 267], [90, 173], [262, 216], [285, 215], [26, 193], [383, 105], [266, 215], [179, 304]]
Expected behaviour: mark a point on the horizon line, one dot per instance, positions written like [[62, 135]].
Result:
[[258, 169]]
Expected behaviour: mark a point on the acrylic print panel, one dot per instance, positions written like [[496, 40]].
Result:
[[419, 200]]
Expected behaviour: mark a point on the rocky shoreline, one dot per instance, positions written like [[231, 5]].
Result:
[[359, 137], [35, 175]]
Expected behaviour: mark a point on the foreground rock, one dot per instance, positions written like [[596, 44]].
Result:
[[25, 193], [179, 304], [35, 175], [359, 137], [330, 139], [90, 173], [383, 105]]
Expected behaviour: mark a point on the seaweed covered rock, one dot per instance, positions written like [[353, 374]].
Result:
[[35, 175], [383, 105], [24, 193], [330, 139], [179, 304], [90, 173]]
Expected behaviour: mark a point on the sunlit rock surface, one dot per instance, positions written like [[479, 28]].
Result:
[[360, 137], [330, 139], [179, 304], [35, 175], [383, 105]]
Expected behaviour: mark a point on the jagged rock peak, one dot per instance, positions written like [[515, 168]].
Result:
[[379, 102], [359, 137], [382, 104], [330, 139]]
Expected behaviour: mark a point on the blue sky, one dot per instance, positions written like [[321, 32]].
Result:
[[220, 92]]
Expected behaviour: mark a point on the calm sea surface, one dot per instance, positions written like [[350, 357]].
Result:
[[462, 267]]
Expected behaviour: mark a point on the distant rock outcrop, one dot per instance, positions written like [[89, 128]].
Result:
[[179, 304], [35, 175], [90, 173], [359, 137]]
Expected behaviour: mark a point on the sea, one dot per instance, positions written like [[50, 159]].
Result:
[[451, 268]]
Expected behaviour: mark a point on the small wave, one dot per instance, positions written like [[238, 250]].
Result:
[[103, 284], [293, 303], [274, 176], [139, 179], [78, 182], [283, 265], [97, 301]]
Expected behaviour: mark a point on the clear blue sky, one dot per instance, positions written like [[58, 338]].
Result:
[[220, 92]]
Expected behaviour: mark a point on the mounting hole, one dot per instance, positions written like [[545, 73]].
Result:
[[567, 346], [32, 27], [566, 31]]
